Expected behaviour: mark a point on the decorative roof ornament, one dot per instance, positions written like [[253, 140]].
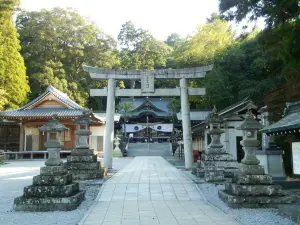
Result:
[[53, 125], [214, 116], [250, 123]]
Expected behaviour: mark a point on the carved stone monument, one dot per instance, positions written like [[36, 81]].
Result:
[[53, 189], [82, 163], [216, 163], [117, 151], [251, 187]]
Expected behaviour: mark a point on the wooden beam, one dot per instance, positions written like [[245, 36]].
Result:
[[157, 92], [105, 74]]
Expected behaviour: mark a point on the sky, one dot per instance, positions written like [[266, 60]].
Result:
[[160, 17]]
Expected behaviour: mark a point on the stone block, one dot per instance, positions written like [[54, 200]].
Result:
[[88, 158], [253, 179], [83, 165], [216, 149], [225, 164], [42, 180], [53, 170], [82, 152], [218, 157], [253, 190], [251, 170], [254, 201], [51, 191], [48, 204], [87, 174]]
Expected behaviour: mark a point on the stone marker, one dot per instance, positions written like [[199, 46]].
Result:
[[251, 187], [82, 163], [53, 189], [117, 151], [216, 163]]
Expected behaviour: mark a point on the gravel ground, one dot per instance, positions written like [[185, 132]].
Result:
[[15, 175], [244, 216]]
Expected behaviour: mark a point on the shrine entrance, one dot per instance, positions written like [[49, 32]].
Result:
[[147, 89]]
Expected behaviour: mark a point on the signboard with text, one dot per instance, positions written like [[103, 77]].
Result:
[[147, 82], [296, 157]]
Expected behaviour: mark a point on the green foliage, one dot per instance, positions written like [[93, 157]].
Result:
[[245, 70], [13, 81], [55, 44], [125, 108], [275, 12], [208, 43], [174, 105], [140, 50]]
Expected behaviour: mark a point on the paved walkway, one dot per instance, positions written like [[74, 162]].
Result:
[[150, 191]]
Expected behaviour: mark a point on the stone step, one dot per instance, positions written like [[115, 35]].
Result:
[[253, 179], [225, 164], [42, 180], [254, 201], [88, 158], [48, 204], [53, 170], [218, 157], [82, 165], [253, 190], [51, 191], [87, 174], [82, 152]]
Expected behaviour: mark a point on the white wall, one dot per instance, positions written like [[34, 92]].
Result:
[[97, 131]]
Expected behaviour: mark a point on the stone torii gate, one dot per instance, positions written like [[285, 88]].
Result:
[[147, 89]]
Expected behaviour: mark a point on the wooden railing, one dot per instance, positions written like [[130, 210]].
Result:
[[20, 155]]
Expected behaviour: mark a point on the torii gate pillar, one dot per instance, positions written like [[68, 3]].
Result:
[[186, 124], [109, 132]]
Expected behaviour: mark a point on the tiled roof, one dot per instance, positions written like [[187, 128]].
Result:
[[41, 112], [64, 98], [160, 103], [237, 107], [290, 121], [72, 109]]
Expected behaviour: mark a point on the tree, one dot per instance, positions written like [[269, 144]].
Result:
[[13, 81], [63, 41], [275, 12], [210, 41], [140, 50], [245, 70]]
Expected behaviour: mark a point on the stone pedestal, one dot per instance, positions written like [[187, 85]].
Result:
[[252, 188], [83, 165], [52, 190]]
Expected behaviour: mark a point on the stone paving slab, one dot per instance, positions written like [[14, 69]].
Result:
[[150, 191]]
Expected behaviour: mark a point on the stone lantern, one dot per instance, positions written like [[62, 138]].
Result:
[[83, 131], [250, 127], [54, 188], [251, 187], [53, 143], [82, 163], [217, 164]]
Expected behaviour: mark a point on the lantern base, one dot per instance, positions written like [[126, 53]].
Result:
[[52, 190]]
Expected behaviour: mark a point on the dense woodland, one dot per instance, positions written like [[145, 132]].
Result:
[[50, 46]]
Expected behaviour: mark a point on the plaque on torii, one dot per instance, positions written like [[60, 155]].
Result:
[[147, 89]]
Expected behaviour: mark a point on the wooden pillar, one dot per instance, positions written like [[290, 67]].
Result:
[[22, 136]]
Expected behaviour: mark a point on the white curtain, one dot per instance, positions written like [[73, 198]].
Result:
[[163, 127]]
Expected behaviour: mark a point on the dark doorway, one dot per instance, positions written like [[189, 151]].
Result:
[[28, 142], [239, 148]]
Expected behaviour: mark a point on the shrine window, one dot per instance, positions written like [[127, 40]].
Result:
[[66, 136]]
